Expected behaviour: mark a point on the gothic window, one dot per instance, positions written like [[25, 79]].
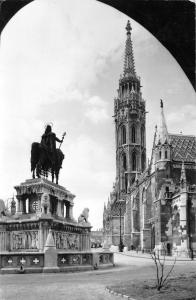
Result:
[[123, 134], [142, 136], [166, 154], [159, 154], [134, 161], [133, 134], [126, 181], [143, 161], [124, 161]]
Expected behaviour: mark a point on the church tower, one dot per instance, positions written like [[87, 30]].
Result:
[[130, 129]]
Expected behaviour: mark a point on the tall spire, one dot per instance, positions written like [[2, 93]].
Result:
[[129, 65], [164, 137]]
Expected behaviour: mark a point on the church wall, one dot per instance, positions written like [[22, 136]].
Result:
[[162, 173], [165, 210], [149, 203], [192, 219], [147, 210], [128, 224], [116, 229], [157, 222]]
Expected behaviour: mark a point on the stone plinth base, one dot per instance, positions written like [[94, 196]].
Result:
[[50, 258], [52, 261]]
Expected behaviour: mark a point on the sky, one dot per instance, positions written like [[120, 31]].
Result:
[[60, 62]]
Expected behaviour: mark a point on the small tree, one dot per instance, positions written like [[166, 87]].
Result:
[[161, 275]]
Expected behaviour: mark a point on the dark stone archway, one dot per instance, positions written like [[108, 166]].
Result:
[[171, 22]]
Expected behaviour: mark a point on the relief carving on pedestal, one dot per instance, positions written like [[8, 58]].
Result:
[[67, 241], [24, 240]]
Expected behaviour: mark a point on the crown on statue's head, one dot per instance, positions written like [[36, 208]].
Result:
[[49, 124]]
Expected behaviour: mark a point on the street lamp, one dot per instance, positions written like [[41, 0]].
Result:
[[121, 245]]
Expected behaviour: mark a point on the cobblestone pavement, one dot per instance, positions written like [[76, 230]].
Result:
[[82, 286]]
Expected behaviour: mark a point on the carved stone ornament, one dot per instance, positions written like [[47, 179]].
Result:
[[24, 240], [45, 203], [83, 218]]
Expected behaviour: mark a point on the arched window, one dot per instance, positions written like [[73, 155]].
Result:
[[126, 181], [123, 134], [134, 161], [133, 134], [124, 161], [165, 154], [142, 136], [159, 154]]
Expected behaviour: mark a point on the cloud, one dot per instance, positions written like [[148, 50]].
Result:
[[96, 115], [96, 110], [183, 119], [87, 171]]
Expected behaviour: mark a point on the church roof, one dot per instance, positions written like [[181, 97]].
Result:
[[116, 208], [183, 147]]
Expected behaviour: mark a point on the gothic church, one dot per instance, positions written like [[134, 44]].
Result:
[[152, 206]]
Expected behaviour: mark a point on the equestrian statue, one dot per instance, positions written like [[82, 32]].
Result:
[[45, 157]]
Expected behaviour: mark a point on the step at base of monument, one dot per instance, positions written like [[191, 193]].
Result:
[[76, 269], [18, 271]]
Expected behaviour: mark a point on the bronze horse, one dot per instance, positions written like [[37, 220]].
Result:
[[41, 162]]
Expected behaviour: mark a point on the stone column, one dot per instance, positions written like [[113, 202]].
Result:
[[39, 196], [62, 209], [18, 204], [41, 236], [59, 212], [71, 211]]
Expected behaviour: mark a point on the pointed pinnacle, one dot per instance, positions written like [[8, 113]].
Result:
[[128, 27]]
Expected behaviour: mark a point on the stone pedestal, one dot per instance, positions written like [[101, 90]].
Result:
[[50, 255], [43, 197]]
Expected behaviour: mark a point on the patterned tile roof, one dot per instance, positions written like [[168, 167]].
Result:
[[116, 208], [183, 147]]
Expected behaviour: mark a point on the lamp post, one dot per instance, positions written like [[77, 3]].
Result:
[[121, 245]]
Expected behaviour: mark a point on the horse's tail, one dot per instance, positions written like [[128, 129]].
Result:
[[35, 151]]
